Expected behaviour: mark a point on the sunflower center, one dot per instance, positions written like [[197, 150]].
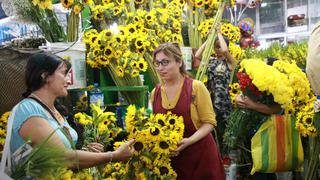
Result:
[[308, 120], [164, 170], [155, 132], [141, 65], [138, 146], [160, 121], [108, 33], [107, 52], [172, 121], [105, 122], [131, 30], [139, 43], [164, 145]]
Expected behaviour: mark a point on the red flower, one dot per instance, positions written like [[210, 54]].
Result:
[[246, 84]]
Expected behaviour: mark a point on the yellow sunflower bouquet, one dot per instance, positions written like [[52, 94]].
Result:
[[99, 127], [156, 136], [3, 129]]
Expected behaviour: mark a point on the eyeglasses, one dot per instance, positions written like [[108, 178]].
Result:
[[163, 63]]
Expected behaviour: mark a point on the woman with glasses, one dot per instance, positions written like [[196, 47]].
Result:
[[48, 77], [197, 156], [219, 74]]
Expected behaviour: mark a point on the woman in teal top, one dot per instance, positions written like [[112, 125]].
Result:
[[36, 117], [28, 108]]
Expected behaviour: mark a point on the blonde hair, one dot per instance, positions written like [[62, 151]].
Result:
[[172, 50]]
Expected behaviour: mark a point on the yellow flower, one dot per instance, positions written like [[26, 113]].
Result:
[[77, 8], [142, 65], [139, 1], [66, 3]]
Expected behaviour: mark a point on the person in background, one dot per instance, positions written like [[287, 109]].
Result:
[[197, 156], [47, 78], [246, 102], [219, 75]]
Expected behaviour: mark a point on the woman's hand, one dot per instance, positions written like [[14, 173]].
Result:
[[240, 101], [245, 102], [124, 152], [185, 142], [95, 147]]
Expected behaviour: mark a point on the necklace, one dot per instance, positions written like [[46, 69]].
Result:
[[52, 110]]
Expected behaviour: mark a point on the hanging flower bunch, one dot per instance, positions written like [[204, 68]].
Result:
[[3, 129], [198, 11], [228, 30], [124, 51], [100, 127], [156, 136]]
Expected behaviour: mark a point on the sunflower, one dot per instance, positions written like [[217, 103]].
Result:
[[108, 52], [141, 50], [131, 28], [308, 120], [139, 1], [119, 71], [163, 146], [138, 146], [160, 119], [133, 64], [120, 2], [139, 42], [102, 60], [164, 170], [117, 10], [134, 73], [66, 3], [142, 65], [117, 54], [98, 13], [87, 2]]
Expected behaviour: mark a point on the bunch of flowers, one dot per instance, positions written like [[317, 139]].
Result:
[[302, 104], [3, 129], [227, 29], [42, 13], [100, 127], [200, 10], [253, 82], [156, 136], [67, 174], [129, 49]]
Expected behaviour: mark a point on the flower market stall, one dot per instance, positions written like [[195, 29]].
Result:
[[110, 44]]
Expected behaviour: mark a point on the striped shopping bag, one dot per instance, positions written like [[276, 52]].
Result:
[[276, 146]]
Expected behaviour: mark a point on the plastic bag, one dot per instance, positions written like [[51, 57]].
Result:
[[276, 146]]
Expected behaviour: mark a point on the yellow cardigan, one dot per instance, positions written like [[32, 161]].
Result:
[[201, 106]]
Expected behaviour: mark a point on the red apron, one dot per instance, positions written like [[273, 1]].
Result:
[[200, 160]]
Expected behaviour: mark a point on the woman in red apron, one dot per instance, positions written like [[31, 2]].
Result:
[[197, 156]]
